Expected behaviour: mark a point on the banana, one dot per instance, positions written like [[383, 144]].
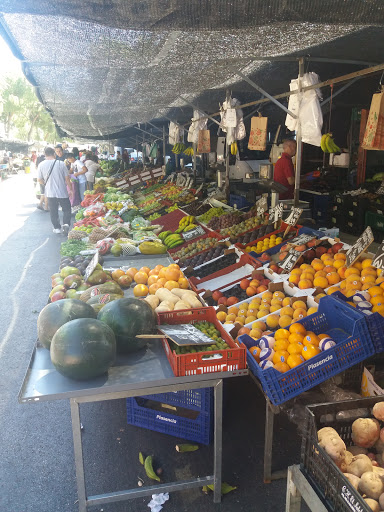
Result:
[[322, 142], [175, 244], [328, 143], [333, 146], [149, 469], [190, 227], [234, 148]]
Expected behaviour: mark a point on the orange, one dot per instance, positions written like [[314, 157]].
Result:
[[262, 313], [233, 310], [162, 273], [294, 360], [306, 275], [281, 334], [296, 338], [341, 271], [366, 263], [158, 267], [328, 263], [311, 311], [377, 300], [172, 274], [277, 302], [117, 273], [378, 309], [280, 356], [298, 329], [154, 287], [368, 279], [183, 283], [174, 266], [358, 265], [321, 282], [242, 313], [329, 268], [251, 318], [240, 319], [140, 290], [256, 333], [255, 352], [278, 295], [380, 280], [310, 270], [350, 292], [141, 278], [304, 266], [311, 339], [324, 256], [296, 271], [317, 264], [161, 281], [299, 314], [299, 304], [170, 285], [350, 271], [287, 310], [272, 321], [375, 290], [353, 279], [145, 269], [250, 291], [153, 272], [340, 256], [320, 273], [295, 348], [382, 285], [304, 284], [332, 289], [281, 367], [310, 351], [245, 305], [231, 317], [368, 271], [152, 280], [284, 321], [267, 295], [131, 272], [273, 309], [221, 316], [333, 278], [259, 325], [286, 302], [294, 279], [322, 336], [281, 344], [253, 311], [338, 264], [343, 284]]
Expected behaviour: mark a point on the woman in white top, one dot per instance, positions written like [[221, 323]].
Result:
[[92, 166]]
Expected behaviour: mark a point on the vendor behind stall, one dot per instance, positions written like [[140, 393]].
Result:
[[284, 172]]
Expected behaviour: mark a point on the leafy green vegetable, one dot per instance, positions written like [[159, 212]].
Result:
[[72, 248]]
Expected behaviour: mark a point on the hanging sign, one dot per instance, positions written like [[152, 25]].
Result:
[[361, 244], [275, 213], [290, 261], [294, 216], [230, 118], [185, 334], [91, 266], [378, 260], [194, 233], [261, 206]]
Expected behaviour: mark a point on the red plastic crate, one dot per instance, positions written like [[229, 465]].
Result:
[[245, 259], [293, 230], [202, 362], [211, 234], [170, 221]]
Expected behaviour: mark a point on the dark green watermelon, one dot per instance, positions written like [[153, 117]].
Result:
[[83, 349], [127, 318], [58, 313]]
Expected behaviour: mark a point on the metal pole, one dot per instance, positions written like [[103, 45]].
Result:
[[218, 441], [227, 97], [164, 144], [137, 149], [194, 162], [299, 151], [78, 450]]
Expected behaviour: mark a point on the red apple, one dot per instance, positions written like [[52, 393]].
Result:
[[222, 300], [216, 295], [336, 247], [319, 251]]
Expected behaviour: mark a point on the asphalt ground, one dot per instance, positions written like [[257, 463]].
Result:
[[37, 472]]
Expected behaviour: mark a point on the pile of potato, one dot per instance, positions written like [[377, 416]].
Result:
[[165, 300], [363, 462]]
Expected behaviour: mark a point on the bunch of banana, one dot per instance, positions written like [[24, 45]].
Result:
[[186, 221], [328, 144], [178, 148], [173, 240], [234, 148], [189, 227], [189, 151]]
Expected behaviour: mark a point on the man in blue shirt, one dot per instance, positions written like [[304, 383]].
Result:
[[53, 174]]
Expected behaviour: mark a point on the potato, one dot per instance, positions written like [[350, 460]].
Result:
[[360, 464], [371, 485], [168, 303], [346, 462], [372, 504], [353, 479], [325, 431], [191, 300], [333, 445], [379, 472], [357, 450], [179, 292], [378, 412], [182, 305], [153, 301], [162, 309], [381, 501], [164, 294], [365, 432], [379, 446]]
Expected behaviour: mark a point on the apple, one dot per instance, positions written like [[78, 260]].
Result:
[[216, 295], [320, 250], [336, 247], [222, 300], [265, 282], [310, 255], [300, 248], [312, 243], [265, 257], [232, 301]]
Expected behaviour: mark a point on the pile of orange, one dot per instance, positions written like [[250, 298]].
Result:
[[148, 281], [328, 270], [360, 276]]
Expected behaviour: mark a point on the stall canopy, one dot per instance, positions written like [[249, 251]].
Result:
[[101, 67]]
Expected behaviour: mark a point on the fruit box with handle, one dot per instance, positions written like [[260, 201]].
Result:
[[197, 363], [292, 232], [344, 325]]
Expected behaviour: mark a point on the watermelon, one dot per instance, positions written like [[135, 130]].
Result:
[[83, 349], [56, 314], [127, 318]]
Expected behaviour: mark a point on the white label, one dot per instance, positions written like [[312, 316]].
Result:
[[294, 216], [230, 118]]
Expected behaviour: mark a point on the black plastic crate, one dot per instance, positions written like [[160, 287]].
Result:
[[332, 486]]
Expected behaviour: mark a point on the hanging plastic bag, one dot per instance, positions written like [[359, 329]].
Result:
[[258, 136], [233, 133], [199, 122], [374, 130], [204, 142]]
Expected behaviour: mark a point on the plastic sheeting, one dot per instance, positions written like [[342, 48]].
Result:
[[97, 78]]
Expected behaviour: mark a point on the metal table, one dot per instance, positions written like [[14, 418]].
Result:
[[298, 487], [145, 372]]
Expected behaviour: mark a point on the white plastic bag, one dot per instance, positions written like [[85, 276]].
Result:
[[199, 122], [174, 134], [237, 133]]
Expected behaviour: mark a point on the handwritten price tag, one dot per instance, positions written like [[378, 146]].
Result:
[[378, 260], [91, 266], [361, 244], [294, 216]]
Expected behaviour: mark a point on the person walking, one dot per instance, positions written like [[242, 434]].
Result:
[[92, 168], [53, 174]]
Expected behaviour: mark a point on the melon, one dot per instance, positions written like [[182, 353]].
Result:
[[83, 349], [128, 318], [58, 313]]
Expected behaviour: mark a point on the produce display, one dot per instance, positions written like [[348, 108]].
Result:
[[210, 330], [265, 244], [242, 290], [240, 227], [204, 256], [211, 214], [214, 266], [193, 248]]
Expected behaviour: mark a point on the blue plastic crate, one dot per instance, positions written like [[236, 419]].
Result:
[[346, 326], [239, 201], [168, 418], [375, 323]]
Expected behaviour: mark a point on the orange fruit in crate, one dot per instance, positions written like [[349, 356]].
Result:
[[162, 273], [299, 314], [294, 279], [296, 338], [251, 318], [281, 334], [174, 266], [375, 290], [310, 270], [153, 272], [281, 367], [287, 310], [317, 264], [255, 352], [304, 284], [172, 274], [256, 333], [368, 271], [294, 360], [170, 285], [310, 351], [145, 269], [341, 271], [231, 317], [286, 302], [307, 275], [379, 280], [140, 290], [377, 300], [161, 281], [366, 263], [250, 291], [303, 266], [358, 265], [153, 288], [295, 348], [322, 336], [311, 339], [298, 329], [273, 309], [117, 273], [259, 324], [340, 256], [152, 280], [281, 344], [369, 279], [141, 278], [324, 256], [254, 310], [158, 267], [240, 320], [244, 283], [329, 268], [333, 278], [350, 271], [311, 311], [378, 309], [321, 282], [255, 283], [277, 302], [338, 264], [266, 295], [296, 271], [284, 321], [131, 272], [280, 356], [343, 285], [221, 316], [272, 321], [320, 273], [278, 295], [233, 310], [183, 283]]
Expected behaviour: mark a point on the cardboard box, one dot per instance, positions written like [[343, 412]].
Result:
[[369, 386]]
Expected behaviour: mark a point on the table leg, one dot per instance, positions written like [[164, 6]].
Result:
[[218, 440], [293, 497], [78, 449], [268, 442]]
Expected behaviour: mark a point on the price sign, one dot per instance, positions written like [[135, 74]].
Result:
[[294, 216], [194, 233], [261, 206], [275, 213], [290, 261], [120, 182], [124, 209], [381, 189], [359, 247], [185, 334], [302, 239], [230, 118], [378, 260], [91, 266]]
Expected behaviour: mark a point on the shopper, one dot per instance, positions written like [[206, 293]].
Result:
[[284, 172], [78, 170], [59, 153], [54, 175], [92, 168]]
